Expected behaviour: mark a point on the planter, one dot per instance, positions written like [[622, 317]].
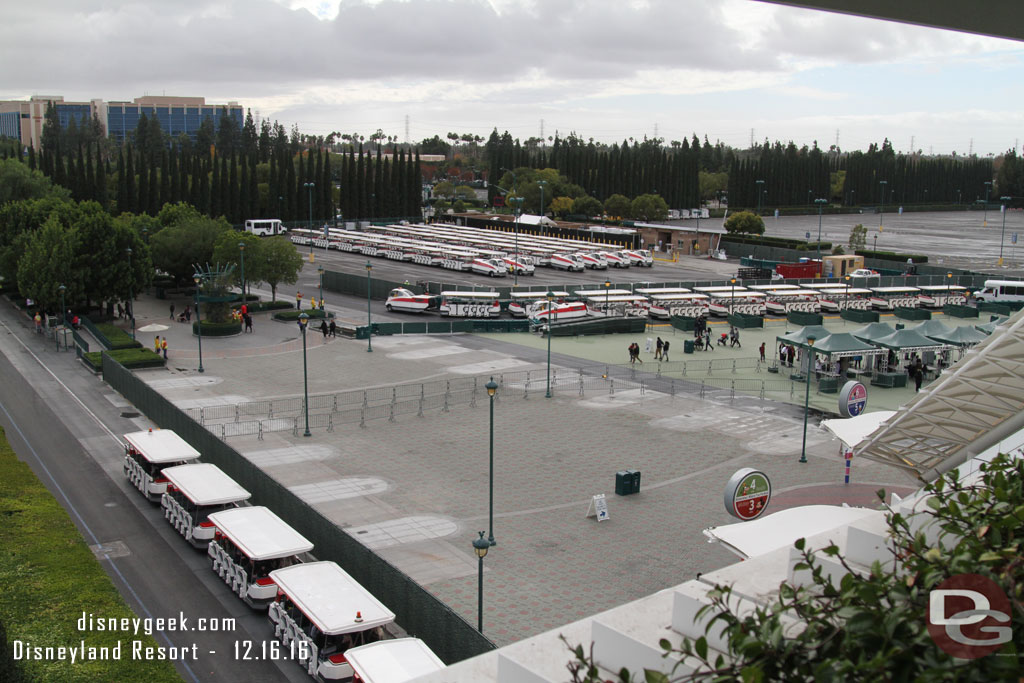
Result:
[[227, 329], [293, 315]]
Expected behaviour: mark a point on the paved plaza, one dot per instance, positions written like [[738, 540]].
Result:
[[415, 489]]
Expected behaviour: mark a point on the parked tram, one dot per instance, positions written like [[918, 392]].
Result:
[[459, 304], [194, 492], [679, 304], [321, 612], [890, 298], [522, 302], [937, 296], [249, 543], [725, 303], [392, 661], [147, 453]]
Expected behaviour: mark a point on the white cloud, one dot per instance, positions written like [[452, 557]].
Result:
[[332, 64]]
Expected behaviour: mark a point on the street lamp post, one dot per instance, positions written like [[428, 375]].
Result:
[[369, 314], [303, 324], [492, 389], [821, 203], [760, 185], [949, 281], [519, 210], [542, 184], [988, 188], [807, 395], [881, 216], [309, 187], [63, 315], [320, 273], [607, 290], [732, 297], [241, 249], [197, 278], [131, 294], [551, 305], [809, 193], [480, 547], [1002, 233]]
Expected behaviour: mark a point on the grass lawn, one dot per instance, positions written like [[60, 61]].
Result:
[[49, 578]]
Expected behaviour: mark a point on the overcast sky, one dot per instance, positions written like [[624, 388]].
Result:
[[606, 69]]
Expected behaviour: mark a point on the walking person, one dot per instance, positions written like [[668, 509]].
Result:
[[120, 311], [664, 352], [707, 340], [156, 344], [188, 313], [762, 351], [323, 302], [172, 311], [163, 347], [248, 322], [735, 334], [658, 346], [312, 303], [632, 358], [332, 328], [323, 328], [918, 378], [298, 301], [39, 323]]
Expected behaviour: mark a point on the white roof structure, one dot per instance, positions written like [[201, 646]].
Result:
[[161, 445], [259, 533], [205, 484], [976, 403], [393, 661], [330, 598], [781, 529], [852, 430]]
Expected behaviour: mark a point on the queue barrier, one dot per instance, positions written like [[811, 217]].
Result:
[[444, 327], [803, 318], [957, 311], [908, 313], [854, 315], [745, 320]]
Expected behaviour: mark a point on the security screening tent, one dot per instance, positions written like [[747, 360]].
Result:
[[800, 336], [908, 340], [932, 328], [990, 326], [844, 345], [961, 336], [873, 331]]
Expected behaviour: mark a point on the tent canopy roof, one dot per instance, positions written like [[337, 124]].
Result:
[[843, 343], [873, 331], [961, 336], [800, 336], [906, 339]]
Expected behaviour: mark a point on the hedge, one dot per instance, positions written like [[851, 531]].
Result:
[[266, 306], [130, 358], [116, 337], [786, 242], [293, 315], [211, 329], [892, 256]]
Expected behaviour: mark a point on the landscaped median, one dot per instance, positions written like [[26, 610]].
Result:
[[50, 579], [113, 336], [293, 315], [133, 359]]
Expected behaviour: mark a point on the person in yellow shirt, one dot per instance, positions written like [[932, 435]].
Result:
[[156, 344], [312, 303]]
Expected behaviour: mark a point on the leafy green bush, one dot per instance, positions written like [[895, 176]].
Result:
[[211, 329], [266, 306], [134, 358], [294, 315], [116, 337]]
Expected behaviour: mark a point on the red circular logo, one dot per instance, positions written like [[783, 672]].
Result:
[[969, 616]]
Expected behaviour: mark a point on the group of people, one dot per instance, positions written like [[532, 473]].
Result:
[[185, 316], [661, 350], [160, 345], [634, 354], [314, 305]]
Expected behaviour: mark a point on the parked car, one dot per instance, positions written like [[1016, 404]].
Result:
[[864, 272]]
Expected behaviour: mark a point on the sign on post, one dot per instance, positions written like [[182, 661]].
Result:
[[747, 494], [598, 507], [853, 399]]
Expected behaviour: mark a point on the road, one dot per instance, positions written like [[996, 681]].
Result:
[[78, 457]]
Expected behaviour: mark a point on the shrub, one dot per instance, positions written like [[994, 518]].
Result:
[[212, 329], [293, 315], [133, 358], [116, 337], [266, 306]]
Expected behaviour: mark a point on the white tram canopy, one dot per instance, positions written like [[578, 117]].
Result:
[[259, 533], [393, 661], [334, 601], [205, 484], [161, 446]]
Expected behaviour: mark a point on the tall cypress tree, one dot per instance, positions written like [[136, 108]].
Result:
[[243, 194], [233, 201], [142, 194]]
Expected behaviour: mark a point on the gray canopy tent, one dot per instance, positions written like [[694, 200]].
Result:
[[933, 328], [840, 349], [990, 326], [799, 339]]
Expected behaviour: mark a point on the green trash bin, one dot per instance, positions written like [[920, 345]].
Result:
[[636, 480], [624, 482], [688, 346]]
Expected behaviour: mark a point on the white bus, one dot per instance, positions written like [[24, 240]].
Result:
[[320, 612], [146, 454], [392, 661], [194, 492], [249, 543], [1001, 290], [265, 226]]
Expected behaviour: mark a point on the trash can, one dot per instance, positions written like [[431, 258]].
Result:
[[636, 480], [688, 346], [624, 482]]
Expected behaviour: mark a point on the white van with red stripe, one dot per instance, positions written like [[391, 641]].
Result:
[[639, 258], [491, 267], [401, 299], [593, 260], [521, 266], [569, 262], [617, 259]]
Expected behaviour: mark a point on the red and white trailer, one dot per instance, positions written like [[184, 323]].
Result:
[[147, 453], [320, 613]]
